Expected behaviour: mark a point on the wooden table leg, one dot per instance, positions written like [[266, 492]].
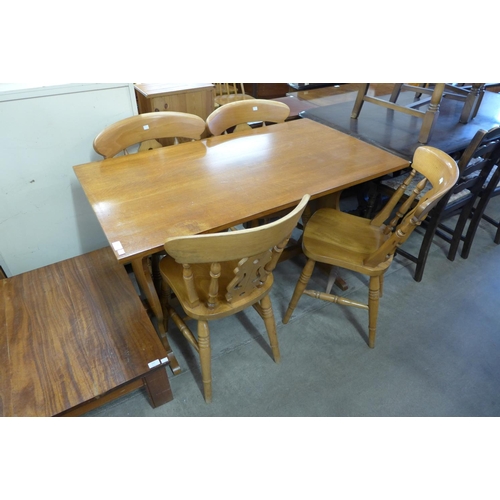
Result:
[[431, 114], [358, 104], [145, 282], [472, 102], [158, 387]]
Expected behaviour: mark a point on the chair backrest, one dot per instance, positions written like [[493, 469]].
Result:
[[148, 127], [243, 112], [226, 89], [251, 254], [437, 168], [476, 165], [482, 154]]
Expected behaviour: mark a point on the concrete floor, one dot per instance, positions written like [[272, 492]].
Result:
[[437, 351]]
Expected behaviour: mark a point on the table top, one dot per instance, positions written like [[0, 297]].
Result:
[[398, 132], [58, 347], [215, 183]]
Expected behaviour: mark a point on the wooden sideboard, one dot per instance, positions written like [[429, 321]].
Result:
[[195, 98]]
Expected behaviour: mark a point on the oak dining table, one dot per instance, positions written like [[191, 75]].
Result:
[[210, 185]]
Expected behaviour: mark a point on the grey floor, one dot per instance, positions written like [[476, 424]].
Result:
[[437, 351]]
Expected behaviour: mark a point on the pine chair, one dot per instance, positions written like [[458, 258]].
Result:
[[367, 246], [242, 113], [147, 129], [474, 166], [217, 275], [229, 92]]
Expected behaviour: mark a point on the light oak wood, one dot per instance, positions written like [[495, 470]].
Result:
[[367, 246], [216, 183], [196, 182], [74, 335], [245, 112], [216, 275], [193, 98], [226, 93], [147, 129]]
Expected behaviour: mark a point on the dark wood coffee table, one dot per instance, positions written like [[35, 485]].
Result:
[[75, 335]]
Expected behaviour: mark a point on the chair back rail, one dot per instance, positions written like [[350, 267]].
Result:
[[252, 255], [148, 127], [244, 112], [437, 168]]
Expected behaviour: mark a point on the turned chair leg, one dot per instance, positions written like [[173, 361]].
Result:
[[299, 288], [205, 359], [373, 303], [268, 316]]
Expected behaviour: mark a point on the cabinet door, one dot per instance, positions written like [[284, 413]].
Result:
[[199, 102]]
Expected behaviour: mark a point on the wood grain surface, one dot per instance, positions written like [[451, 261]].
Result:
[[71, 332]]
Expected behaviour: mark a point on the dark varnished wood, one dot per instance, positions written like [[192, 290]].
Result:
[[74, 335], [203, 186], [398, 132]]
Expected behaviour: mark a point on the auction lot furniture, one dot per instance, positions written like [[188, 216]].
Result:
[[217, 275], [73, 336], [367, 246], [471, 97], [206, 186], [399, 132], [147, 130], [194, 98]]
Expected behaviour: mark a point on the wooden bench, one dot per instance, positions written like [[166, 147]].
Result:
[[75, 335]]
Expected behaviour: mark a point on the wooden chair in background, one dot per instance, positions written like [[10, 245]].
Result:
[[367, 246], [490, 189], [240, 114], [217, 275], [474, 166], [229, 92], [147, 130]]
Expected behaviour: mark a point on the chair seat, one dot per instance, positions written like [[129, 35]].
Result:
[[172, 272], [490, 175], [345, 240]]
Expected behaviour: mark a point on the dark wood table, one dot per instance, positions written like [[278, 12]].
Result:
[[75, 335], [398, 133], [216, 183]]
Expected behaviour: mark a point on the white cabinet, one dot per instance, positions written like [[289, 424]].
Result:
[[45, 131]]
